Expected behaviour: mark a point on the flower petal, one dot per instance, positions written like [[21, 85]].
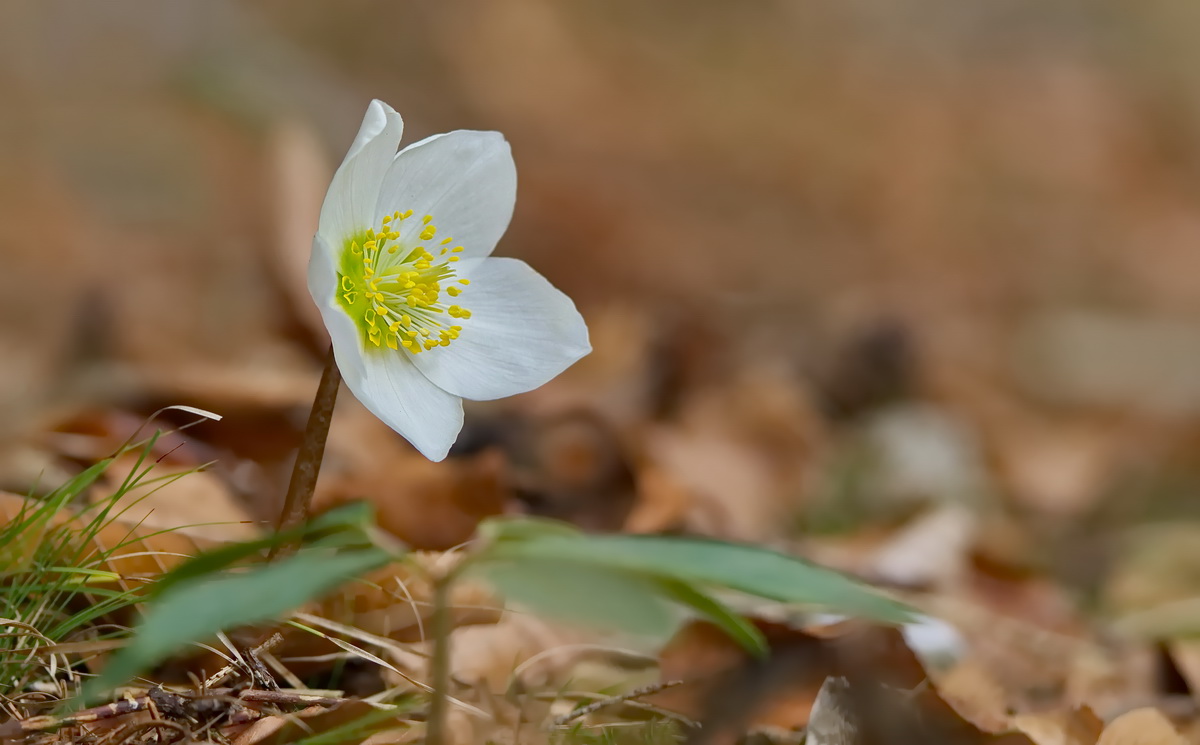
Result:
[[522, 332], [467, 180], [350, 202], [395, 391]]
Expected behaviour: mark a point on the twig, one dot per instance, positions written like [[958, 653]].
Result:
[[552, 696], [20, 727], [127, 733], [582, 711], [286, 698], [664, 713], [224, 673], [308, 460], [172, 705]]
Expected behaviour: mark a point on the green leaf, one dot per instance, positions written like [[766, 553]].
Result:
[[585, 594], [345, 522], [725, 618], [198, 608], [755, 571], [525, 529], [85, 479]]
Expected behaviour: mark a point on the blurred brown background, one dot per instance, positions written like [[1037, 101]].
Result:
[[769, 165], [1000, 197]]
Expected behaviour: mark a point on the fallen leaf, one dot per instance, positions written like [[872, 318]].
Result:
[[427, 505], [316, 720], [181, 500], [1145, 726], [571, 466], [975, 694], [931, 551], [734, 493], [1065, 727], [778, 691], [662, 502]]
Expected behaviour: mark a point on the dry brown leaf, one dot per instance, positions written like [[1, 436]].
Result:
[[734, 492], [282, 729], [90, 434], [30, 469], [742, 450], [931, 551], [1059, 468], [974, 694], [179, 499], [1160, 565], [1038, 668], [662, 502], [517, 672], [1146, 726], [1066, 727], [427, 505], [861, 712], [1185, 654], [571, 466], [1032, 664], [524, 653], [1111, 677], [779, 692]]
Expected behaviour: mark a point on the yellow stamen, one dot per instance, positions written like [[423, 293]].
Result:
[[375, 286]]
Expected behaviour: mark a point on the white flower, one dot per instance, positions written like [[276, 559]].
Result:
[[419, 315]]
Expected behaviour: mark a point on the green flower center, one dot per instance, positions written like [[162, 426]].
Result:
[[393, 292]]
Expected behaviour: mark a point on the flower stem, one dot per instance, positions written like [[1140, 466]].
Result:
[[439, 663], [312, 450]]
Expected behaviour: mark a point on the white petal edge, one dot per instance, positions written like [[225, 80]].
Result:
[[466, 179], [395, 391], [522, 332], [350, 202]]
